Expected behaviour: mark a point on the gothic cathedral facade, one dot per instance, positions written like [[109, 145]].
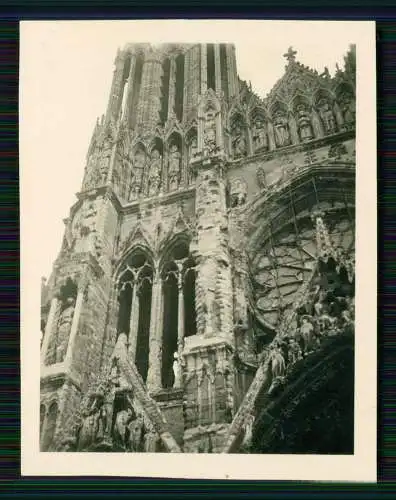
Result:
[[208, 263]]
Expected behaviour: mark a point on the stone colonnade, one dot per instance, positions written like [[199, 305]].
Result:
[[141, 280]]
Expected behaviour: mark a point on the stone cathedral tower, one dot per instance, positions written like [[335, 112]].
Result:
[[209, 254]]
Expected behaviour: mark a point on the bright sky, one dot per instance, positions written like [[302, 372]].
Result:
[[65, 78]]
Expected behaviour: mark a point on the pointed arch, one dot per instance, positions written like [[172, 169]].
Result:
[[278, 106], [134, 281], [156, 143], [138, 146], [177, 269], [298, 100], [323, 93]]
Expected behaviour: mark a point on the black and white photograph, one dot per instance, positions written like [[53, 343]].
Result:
[[197, 212]]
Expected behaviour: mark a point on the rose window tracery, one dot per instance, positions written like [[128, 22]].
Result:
[[287, 260]]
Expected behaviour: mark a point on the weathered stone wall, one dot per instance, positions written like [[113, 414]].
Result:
[[173, 414], [261, 172]]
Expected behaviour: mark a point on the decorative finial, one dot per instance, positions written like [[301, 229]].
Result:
[[290, 55]]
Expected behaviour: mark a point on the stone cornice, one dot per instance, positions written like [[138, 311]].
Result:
[[291, 150], [162, 200]]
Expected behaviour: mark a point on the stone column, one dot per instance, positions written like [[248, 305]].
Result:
[[180, 311], [148, 108], [155, 361], [214, 303], [217, 67], [295, 139], [317, 125], [134, 320], [204, 73], [232, 76], [271, 137], [49, 327], [74, 327], [116, 87], [172, 87], [129, 89], [187, 63]]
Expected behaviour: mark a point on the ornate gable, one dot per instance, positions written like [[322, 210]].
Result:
[[138, 236]]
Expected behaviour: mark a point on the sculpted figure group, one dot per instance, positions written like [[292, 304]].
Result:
[[328, 316], [128, 433]]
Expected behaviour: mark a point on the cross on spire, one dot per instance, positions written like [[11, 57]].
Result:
[[290, 55]]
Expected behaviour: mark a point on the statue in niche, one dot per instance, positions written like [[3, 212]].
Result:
[[347, 109], [327, 116], [121, 433], [192, 153], [138, 166], [304, 123], [174, 167], [155, 173], [238, 141], [176, 370], [281, 127], [150, 441], [136, 433], [259, 135], [193, 148], [210, 142], [238, 193], [64, 327]]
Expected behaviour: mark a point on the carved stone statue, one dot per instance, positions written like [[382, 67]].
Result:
[[304, 123], [155, 173], [136, 434], [150, 441], [348, 109], [259, 135], [281, 128], [277, 361], [238, 141], [64, 327], [176, 370], [294, 351], [307, 332], [238, 192], [210, 142], [327, 116], [121, 430], [192, 153], [193, 148], [174, 167]]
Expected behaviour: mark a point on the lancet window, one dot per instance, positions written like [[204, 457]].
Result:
[[165, 312], [135, 291], [179, 321]]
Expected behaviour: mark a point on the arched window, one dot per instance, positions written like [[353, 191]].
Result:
[[179, 320], [134, 294], [239, 146]]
